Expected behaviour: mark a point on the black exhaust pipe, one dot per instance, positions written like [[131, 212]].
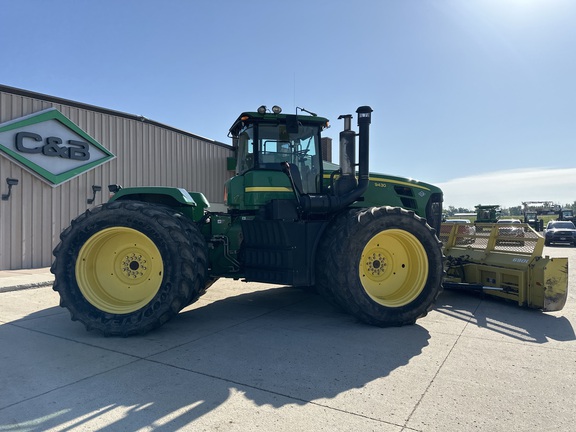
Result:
[[343, 198], [364, 120]]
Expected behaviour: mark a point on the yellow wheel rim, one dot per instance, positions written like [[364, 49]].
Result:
[[119, 270], [393, 268]]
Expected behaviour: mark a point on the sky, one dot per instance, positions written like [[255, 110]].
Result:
[[475, 96]]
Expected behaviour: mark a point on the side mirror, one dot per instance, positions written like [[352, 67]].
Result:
[[113, 188]]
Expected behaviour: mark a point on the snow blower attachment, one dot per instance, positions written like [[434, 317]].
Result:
[[504, 261]]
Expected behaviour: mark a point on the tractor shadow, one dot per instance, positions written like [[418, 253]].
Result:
[[258, 351]]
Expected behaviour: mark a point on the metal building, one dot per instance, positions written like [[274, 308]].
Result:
[[57, 158]]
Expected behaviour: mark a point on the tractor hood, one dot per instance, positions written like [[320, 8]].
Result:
[[393, 190]]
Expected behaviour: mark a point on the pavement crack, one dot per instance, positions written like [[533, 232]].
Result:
[[433, 380]]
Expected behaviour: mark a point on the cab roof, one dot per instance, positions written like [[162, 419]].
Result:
[[255, 117]]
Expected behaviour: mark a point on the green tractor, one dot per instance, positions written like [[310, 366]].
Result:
[[487, 213], [365, 241]]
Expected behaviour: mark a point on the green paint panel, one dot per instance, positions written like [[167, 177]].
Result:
[[258, 187]]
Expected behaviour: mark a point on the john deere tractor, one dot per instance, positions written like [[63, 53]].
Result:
[[366, 241]]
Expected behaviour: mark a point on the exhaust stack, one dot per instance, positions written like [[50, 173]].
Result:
[[348, 189]]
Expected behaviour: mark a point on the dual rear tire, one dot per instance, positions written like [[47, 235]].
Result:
[[384, 265], [127, 267]]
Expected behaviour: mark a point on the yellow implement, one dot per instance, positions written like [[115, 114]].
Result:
[[504, 261]]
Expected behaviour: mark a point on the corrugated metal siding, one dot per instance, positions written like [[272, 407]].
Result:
[[147, 154]]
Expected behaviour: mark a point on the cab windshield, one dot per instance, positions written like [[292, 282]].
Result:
[[266, 146]]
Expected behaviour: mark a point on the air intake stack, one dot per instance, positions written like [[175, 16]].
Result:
[[350, 190]]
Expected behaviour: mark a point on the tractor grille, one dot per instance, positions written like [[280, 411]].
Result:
[[406, 196]]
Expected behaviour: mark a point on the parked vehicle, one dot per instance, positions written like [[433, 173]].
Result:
[[566, 215], [531, 218], [560, 232], [366, 241], [466, 230], [511, 232], [487, 213]]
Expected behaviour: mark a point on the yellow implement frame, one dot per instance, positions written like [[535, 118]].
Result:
[[504, 261]]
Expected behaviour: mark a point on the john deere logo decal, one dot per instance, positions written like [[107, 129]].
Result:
[[51, 145]]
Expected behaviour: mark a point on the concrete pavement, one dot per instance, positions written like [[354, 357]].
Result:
[[12, 280], [251, 357]]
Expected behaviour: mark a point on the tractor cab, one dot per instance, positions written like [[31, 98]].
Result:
[[278, 157]]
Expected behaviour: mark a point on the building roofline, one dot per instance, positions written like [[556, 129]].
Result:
[[62, 101]]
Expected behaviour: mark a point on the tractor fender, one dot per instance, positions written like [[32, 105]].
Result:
[[192, 204]]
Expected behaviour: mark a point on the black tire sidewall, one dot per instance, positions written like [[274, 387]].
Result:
[[163, 227], [360, 227]]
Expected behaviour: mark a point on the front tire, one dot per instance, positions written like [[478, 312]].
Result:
[[384, 265], [127, 267]]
